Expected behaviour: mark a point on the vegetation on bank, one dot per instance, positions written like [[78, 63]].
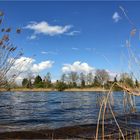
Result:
[[101, 80]]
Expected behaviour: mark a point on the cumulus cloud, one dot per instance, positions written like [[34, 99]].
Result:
[[41, 66], [45, 28], [116, 17], [77, 66], [26, 65]]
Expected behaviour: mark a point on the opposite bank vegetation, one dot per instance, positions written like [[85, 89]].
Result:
[[73, 81]]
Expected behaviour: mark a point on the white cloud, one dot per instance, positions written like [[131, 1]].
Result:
[[44, 28], [41, 66], [44, 52], [116, 17], [72, 33], [22, 64], [32, 37], [77, 66], [26, 65], [49, 52]]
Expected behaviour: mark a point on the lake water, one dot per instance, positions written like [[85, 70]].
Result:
[[36, 110]]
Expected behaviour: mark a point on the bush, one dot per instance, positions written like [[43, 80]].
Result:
[[60, 86]]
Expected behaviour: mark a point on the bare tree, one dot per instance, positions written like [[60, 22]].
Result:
[[8, 53], [73, 77], [82, 78], [102, 76], [89, 78], [48, 80], [64, 78]]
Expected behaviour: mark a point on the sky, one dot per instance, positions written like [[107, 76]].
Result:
[[67, 36]]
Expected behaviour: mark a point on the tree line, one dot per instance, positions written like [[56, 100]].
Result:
[[100, 79]]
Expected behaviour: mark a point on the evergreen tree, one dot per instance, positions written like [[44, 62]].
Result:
[[29, 85], [115, 79], [25, 82], [82, 79], [96, 82], [38, 82], [82, 83], [48, 80], [136, 83]]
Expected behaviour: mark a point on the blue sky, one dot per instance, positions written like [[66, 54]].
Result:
[[92, 35]]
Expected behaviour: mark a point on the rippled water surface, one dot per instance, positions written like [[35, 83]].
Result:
[[35, 110]]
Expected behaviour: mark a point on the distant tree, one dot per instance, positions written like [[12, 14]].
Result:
[[38, 79], [48, 76], [123, 76], [102, 76], [48, 80], [25, 82], [60, 86], [63, 78], [115, 79], [73, 77], [82, 80], [38, 82], [82, 83], [127, 80], [70, 84], [136, 83], [96, 82], [108, 84], [30, 79], [89, 78]]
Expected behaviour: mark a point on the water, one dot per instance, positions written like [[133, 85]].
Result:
[[37, 110]]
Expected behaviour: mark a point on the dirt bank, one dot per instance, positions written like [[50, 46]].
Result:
[[49, 89]]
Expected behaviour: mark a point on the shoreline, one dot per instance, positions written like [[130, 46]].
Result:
[[51, 90], [81, 131]]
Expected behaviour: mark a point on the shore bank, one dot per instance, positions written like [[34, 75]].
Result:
[[50, 89], [72, 132], [87, 131]]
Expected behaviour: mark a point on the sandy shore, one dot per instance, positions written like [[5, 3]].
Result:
[[49, 89], [86, 89]]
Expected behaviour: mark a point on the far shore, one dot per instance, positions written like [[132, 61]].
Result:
[[50, 89]]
